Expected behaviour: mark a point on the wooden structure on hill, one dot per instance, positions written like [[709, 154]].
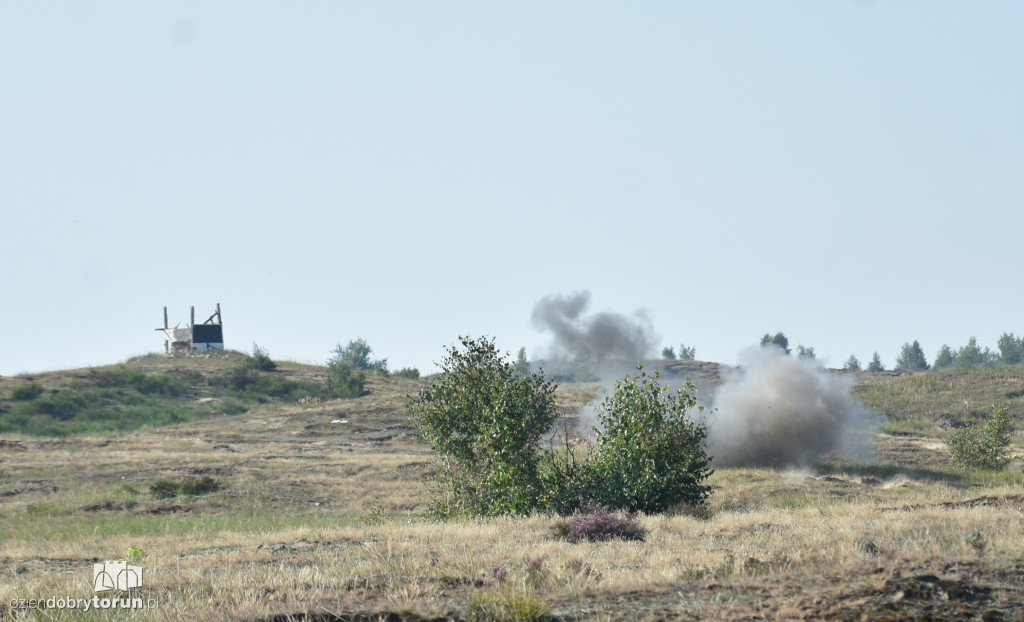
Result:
[[196, 337]]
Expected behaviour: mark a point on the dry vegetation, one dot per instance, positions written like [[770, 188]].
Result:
[[323, 520]]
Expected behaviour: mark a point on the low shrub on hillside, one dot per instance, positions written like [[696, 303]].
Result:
[[166, 488], [26, 392], [983, 446], [409, 373], [259, 360]]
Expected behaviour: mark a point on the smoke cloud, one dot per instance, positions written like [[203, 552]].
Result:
[[781, 410], [603, 336]]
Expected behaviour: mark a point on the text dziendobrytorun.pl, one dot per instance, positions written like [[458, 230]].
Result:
[[85, 604]]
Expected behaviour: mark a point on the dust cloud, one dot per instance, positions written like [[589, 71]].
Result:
[[781, 410]]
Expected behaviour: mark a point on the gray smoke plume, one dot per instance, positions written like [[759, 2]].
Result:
[[781, 410], [602, 336]]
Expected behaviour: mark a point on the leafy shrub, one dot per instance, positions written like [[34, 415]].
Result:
[[233, 407], [852, 363], [343, 379], [259, 360], [599, 525], [687, 354], [26, 392], [985, 446], [805, 353], [668, 353], [357, 353], [166, 488], [650, 454], [135, 554], [409, 373], [485, 421], [778, 339]]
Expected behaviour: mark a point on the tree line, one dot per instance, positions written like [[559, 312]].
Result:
[[912, 357]]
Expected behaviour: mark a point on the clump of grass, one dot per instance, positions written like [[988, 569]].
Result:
[[506, 606], [166, 488], [599, 525], [378, 515]]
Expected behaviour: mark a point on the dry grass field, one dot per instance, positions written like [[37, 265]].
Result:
[[321, 515]]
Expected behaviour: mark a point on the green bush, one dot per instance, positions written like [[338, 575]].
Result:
[[357, 353], [668, 353], [409, 373], [344, 379], [166, 488], [778, 339], [984, 446], [852, 363], [26, 392], [485, 421], [650, 454], [259, 360]]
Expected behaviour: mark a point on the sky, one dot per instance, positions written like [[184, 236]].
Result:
[[846, 172]]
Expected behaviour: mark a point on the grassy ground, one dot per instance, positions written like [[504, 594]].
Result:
[[320, 515]]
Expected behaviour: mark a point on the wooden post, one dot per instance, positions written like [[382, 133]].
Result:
[[167, 343], [191, 330], [220, 318]]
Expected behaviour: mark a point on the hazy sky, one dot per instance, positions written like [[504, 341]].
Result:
[[847, 172]]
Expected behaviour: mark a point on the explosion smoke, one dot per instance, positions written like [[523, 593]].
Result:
[[780, 410], [603, 336]]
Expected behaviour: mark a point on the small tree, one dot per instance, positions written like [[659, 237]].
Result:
[[343, 378], [876, 363], [984, 446], [944, 358], [971, 355], [778, 339], [687, 354], [668, 353], [1011, 349], [852, 363], [485, 421], [912, 357], [522, 363], [805, 353], [259, 360], [650, 454], [358, 352]]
